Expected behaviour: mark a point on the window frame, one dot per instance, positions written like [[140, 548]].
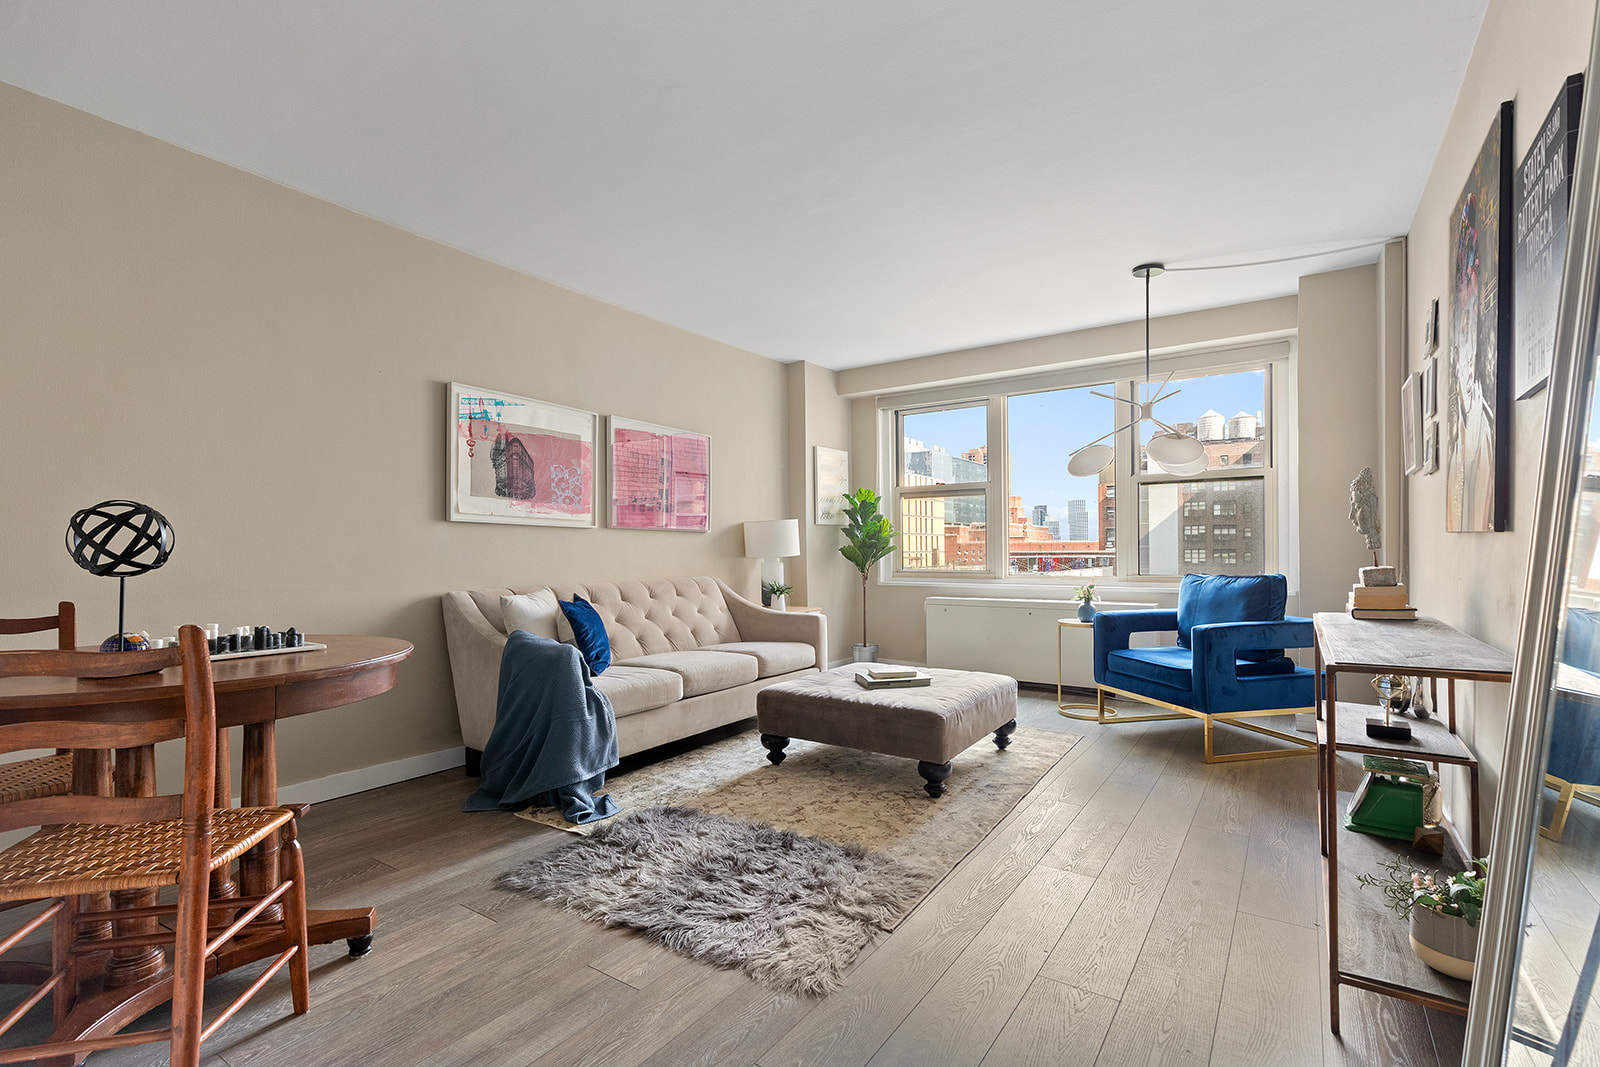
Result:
[[1123, 376]]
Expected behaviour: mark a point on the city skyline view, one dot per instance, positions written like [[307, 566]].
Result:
[[1046, 427]]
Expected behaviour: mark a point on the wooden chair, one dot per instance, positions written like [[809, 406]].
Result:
[[43, 776], [90, 845]]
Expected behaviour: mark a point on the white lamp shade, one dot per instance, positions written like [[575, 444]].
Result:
[[1199, 466], [1090, 459], [1175, 450], [772, 539]]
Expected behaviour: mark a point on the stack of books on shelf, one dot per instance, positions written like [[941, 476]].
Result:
[[891, 678], [1379, 602]]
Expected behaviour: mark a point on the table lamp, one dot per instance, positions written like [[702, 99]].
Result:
[[770, 541]]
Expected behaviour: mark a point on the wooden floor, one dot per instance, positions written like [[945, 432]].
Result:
[[1139, 907]]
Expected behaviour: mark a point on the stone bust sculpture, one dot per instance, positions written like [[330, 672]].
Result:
[[1364, 510]]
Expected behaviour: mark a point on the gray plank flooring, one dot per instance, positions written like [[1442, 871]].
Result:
[[1138, 907]]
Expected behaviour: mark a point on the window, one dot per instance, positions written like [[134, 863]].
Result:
[[941, 527], [1078, 546], [1234, 483], [1024, 516]]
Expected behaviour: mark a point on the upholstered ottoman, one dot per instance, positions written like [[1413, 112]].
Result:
[[929, 724]]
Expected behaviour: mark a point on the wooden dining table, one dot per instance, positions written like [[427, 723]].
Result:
[[252, 693]]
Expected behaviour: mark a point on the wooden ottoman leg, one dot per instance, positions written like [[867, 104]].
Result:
[[933, 775], [775, 745], [1002, 736]]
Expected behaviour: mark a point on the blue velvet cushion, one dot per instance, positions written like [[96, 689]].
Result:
[[588, 633], [1175, 666], [1204, 598]]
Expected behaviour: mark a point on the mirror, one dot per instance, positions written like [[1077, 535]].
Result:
[[1534, 1000]]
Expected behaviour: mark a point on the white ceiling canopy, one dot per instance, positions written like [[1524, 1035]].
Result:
[[829, 180]]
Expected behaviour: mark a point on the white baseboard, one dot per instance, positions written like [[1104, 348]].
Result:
[[345, 783]]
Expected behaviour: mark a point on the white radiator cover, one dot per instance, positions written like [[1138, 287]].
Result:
[[1017, 637]]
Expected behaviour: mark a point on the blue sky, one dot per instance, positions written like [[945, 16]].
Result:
[[1047, 427]]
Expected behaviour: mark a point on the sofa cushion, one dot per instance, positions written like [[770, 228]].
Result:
[[589, 633], [1167, 664], [533, 612], [1174, 666], [635, 689], [702, 672], [668, 615], [772, 657], [1204, 598]]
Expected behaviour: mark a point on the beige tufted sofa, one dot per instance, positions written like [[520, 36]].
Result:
[[687, 654]]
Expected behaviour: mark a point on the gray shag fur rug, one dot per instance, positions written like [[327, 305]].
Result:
[[791, 911]]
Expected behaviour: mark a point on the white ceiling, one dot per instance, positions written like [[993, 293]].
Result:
[[833, 180]]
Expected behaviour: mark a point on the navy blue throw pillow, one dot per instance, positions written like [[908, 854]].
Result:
[[588, 632]]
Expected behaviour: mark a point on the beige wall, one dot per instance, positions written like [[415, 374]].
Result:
[[270, 372], [1341, 426], [821, 577], [1476, 581]]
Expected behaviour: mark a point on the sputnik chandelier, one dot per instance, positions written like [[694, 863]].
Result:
[[1172, 451]]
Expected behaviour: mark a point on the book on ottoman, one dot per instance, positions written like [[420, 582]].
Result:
[[866, 681]]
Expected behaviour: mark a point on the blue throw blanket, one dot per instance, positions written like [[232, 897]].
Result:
[[554, 734]]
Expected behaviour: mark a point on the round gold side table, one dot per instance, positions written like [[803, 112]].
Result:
[[1071, 711]]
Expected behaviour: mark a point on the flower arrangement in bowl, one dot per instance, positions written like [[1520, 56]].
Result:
[[1444, 911], [1084, 595]]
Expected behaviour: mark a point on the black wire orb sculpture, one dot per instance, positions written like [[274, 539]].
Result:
[[120, 539]]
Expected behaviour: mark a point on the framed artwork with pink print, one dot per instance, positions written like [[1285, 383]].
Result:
[[660, 477], [519, 460]]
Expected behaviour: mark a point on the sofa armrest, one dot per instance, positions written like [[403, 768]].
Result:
[[757, 623], [1114, 629], [475, 647], [1228, 639], [1217, 646]]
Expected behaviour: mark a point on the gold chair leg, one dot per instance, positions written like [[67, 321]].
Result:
[[1558, 818]]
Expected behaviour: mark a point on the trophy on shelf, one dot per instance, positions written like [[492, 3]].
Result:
[[1392, 689]]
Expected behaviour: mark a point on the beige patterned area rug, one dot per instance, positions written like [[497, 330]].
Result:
[[845, 795]]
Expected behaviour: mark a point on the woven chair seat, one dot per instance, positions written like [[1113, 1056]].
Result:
[[93, 858], [45, 776]]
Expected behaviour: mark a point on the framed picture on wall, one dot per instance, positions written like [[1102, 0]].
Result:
[[519, 460], [833, 483], [1430, 387], [1477, 370], [1411, 424], [660, 477], [1543, 186], [1430, 447]]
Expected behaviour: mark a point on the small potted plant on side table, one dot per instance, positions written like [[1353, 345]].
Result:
[[776, 595], [1085, 598], [1443, 913]]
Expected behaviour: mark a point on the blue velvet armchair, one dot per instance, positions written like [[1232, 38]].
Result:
[[1229, 662], [1574, 764]]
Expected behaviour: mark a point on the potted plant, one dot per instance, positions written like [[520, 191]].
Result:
[[776, 595], [1084, 595], [869, 537], [1444, 914]]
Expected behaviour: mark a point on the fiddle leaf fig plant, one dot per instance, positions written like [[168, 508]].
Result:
[[868, 537]]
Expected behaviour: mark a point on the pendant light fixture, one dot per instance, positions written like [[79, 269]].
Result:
[[1173, 452]]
